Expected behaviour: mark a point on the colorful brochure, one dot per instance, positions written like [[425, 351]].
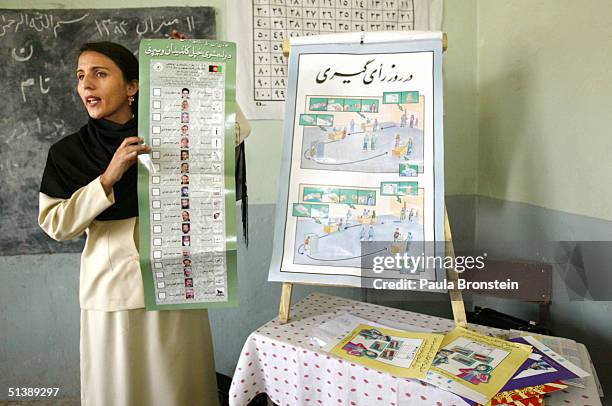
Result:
[[475, 366], [400, 353], [543, 366], [523, 396], [526, 394]]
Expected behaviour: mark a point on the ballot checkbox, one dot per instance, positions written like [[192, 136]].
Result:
[[155, 191], [161, 285], [155, 180], [158, 265], [157, 241], [156, 129], [156, 204], [156, 216], [159, 275], [156, 167], [156, 142], [156, 154], [161, 295], [157, 254], [157, 229], [156, 117], [157, 104], [156, 91]]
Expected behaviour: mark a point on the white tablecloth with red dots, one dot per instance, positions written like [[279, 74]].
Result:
[[282, 361]]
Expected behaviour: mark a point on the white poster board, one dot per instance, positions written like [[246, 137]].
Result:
[[362, 168]]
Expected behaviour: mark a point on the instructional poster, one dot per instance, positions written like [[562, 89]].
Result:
[[363, 156], [260, 26], [186, 191]]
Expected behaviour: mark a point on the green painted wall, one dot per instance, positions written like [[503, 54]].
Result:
[[460, 98], [544, 92]]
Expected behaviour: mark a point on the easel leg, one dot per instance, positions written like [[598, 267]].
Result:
[[285, 302], [455, 294]]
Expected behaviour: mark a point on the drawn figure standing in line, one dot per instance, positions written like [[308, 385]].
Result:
[[397, 140], [352, 126], [476, 375], [411, 215], [403, 120], [349, 215], [362, 234], [412, 121], [403, 214], [410, 146], [396, 235], [370, 200], [307, 245], [375, 126], [366, 141], [371, 234], [373, 142]]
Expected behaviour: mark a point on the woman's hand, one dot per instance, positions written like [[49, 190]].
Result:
[[125, 156]]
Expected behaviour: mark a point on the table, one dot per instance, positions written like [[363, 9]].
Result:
[[282, 361]]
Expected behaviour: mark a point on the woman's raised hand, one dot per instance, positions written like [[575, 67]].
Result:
[[125, 156]]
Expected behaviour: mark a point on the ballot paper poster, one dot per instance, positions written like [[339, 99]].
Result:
[[260, 26], [187, 196], [362, 158]]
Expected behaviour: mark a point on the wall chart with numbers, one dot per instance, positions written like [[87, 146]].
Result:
[[362, 157], [260, 26], [187, 195]]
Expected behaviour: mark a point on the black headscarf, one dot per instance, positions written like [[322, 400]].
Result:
[[79, 158]]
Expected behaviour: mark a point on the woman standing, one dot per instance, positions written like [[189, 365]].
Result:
[[128, 356]]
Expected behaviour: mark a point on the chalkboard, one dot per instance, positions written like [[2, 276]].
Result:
[[40, 104]]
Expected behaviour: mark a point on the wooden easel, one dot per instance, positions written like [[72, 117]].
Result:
[[455, 295]]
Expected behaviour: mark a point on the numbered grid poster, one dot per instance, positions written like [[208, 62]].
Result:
[[187, 195], [362, 169], [260, 26]]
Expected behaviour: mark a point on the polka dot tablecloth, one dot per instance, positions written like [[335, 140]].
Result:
[[282, 361]]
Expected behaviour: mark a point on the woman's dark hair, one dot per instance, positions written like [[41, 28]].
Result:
[[123, 58]]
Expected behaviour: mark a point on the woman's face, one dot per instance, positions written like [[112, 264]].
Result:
[[103, 89]]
